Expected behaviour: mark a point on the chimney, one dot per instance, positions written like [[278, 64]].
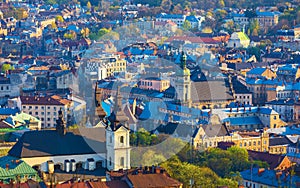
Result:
[[260, 171], [7, 166], [152, 169], [157, 170], [278, 174]]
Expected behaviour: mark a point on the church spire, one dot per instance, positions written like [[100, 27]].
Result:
[[117, 117], [183, 60], [98, 99]]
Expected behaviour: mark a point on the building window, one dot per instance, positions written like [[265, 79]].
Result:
[[122, 139], [122, 161], [245, 144], [36, 113], [275, 117], [48, 119], [36, 107], [110, 161], [254, 143], [110, 139]]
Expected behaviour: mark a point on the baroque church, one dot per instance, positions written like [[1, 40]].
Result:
[[105, 146]]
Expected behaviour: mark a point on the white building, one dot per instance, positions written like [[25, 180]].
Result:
[[45, 108], [238, 40]]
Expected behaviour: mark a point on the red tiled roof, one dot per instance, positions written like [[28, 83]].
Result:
[[153, 180], [108, 184]]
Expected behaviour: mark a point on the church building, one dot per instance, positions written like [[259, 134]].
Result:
[[106, 146]]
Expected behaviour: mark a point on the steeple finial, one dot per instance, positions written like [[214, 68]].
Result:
[[183, 60]]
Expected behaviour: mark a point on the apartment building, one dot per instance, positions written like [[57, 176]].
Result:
[[46, 108]]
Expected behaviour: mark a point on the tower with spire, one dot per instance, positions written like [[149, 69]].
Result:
[[117, 137], [183, 83]]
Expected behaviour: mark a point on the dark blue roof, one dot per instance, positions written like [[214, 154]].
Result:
[[191, 19], [170, 16], [257, 71], [9, 111], [158, 111], [268, 177]]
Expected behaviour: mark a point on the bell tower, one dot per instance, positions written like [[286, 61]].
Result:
[[183, 83], [117, 137]]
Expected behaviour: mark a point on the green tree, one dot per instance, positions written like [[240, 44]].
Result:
[[166, 5], [88, 5], [200, 176], [221, 3], [239, 158], [6, 67], [59, 18], [186, 25], [254, 27], [254, 51], [150, 158], [85, 32]]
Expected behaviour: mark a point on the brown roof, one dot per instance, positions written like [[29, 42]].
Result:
[[48, 100], [152, 180], [109, 184], [273, 160]]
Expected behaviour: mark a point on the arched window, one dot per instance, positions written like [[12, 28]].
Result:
[[122, 139]]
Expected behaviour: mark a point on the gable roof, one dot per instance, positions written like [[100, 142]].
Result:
[[51, 143], [273, 160]]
